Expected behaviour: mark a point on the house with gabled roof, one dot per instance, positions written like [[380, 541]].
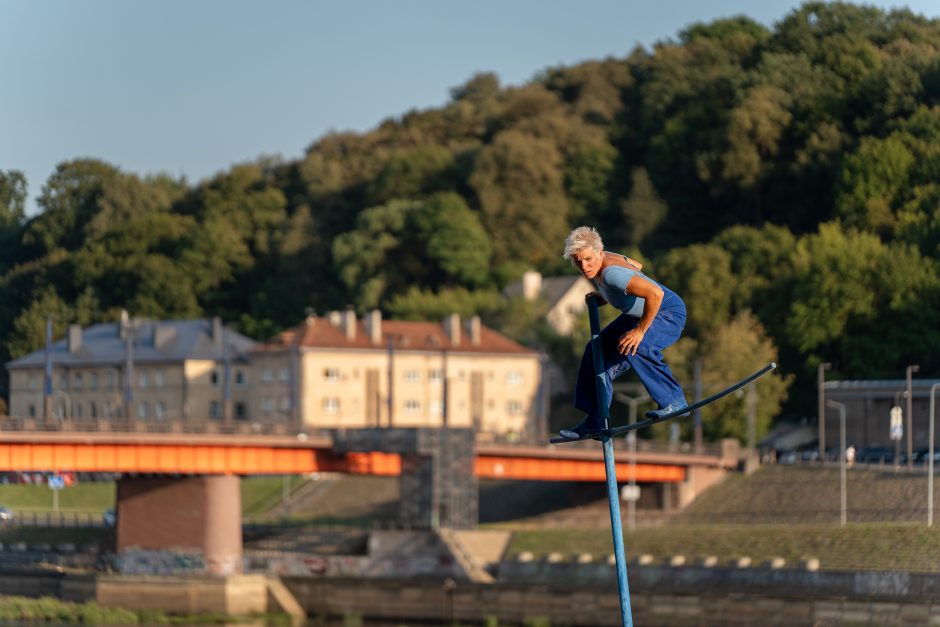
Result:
[[145, 370], [564, 296], [371, 372]]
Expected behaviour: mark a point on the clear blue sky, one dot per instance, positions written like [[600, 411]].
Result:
[[189, 87]]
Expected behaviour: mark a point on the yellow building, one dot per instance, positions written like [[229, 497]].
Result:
[[158, 371], [372, 373]]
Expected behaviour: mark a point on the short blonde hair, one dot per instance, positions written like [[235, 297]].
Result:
[[581, 238]]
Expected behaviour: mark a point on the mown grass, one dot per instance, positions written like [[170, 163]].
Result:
[[261, 494], [907, 547], [50, 610], [81, 498]]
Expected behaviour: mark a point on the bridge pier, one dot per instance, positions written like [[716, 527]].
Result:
[[195, 515]]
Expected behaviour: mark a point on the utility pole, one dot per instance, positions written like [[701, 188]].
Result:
[[821, 380], [910, 416]]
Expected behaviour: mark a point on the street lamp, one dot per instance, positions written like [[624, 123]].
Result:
[[821, 380], [842, 504], [632, 402], [933, 389], [910, 416]]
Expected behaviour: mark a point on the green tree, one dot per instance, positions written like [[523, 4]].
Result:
[[737, 348], [643, 210], [12, 215], [519, 183], [701, 275], [69, 201]]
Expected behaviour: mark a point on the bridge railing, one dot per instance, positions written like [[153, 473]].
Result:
[[152, 425], [285, 428]]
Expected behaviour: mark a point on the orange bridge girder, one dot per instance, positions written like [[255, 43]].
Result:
[[176, 454]]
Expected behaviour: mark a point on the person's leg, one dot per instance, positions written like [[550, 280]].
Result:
[[615, 364], [648, 362]]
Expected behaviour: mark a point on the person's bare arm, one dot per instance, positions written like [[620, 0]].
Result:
[[652, 294]]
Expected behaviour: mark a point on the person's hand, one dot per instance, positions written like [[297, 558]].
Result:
[[597, 295], [630, 341]]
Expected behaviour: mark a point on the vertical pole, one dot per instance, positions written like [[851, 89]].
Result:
[[843, 502], [933, 390], [613, 496], [697, 414], [391, 381], [47, 381], [821, 392], [910, 416], [128, 370]]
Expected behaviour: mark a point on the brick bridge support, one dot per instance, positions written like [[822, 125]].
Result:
[[196, 515]]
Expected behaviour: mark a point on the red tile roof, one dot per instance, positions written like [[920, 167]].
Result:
[[406, 335]]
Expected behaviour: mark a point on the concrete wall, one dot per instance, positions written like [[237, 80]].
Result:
[[600, 605]]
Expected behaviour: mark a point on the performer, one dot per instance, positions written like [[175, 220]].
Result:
[[652, 318]]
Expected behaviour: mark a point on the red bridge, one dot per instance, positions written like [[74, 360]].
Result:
[[197, 473]]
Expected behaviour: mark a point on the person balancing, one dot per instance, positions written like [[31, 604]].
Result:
[[652, 318]]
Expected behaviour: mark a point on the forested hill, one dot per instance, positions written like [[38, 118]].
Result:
[[783, 180]]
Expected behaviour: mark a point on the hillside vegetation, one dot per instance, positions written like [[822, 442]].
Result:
[[782, 180]]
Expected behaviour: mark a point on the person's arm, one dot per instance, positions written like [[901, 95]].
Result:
[[652, 295]]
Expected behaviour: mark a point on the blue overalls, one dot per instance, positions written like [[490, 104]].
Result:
[[648, 362]]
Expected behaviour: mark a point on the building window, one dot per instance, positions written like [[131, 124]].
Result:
[[142, 380], [60, 411], [110, 379], [240, 378], [214, 378], [331, 374], [64, 381], [284, 375], [78, 410], [159, 378], [436, 375], [412, 406], [412, 376], [215, 410], [267, 404], [77, 380], [514, 377], [32, 411], [142, 410], [93, 381], [437, 408], [240, 413], [159, 410], [283, 404], [267, 375], [514, 408], [92, 409], [32, 383], [331, 405]]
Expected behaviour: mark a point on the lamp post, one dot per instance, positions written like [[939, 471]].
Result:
[[910, 416], [632, 402], [842, 505], [933, 390], [821, 380]]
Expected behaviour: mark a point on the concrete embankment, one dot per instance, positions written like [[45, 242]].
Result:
[[661, 595]]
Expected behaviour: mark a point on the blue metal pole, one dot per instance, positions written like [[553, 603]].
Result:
[[613, 497]]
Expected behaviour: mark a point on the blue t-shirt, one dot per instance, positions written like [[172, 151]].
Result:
[[612, 284]]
